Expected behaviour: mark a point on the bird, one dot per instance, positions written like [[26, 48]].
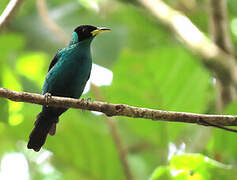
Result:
[[67, 76]]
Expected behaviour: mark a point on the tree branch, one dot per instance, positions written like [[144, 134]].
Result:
[[120, 109], [50, 24], [9, 11], [219, 31], [111, 122], [218, 61]]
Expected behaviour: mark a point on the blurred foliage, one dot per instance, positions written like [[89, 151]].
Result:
[[151, 68], [193, 167]]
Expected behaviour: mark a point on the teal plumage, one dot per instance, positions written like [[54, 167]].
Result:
[[68, 74]]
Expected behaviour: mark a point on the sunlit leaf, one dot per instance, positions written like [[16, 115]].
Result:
[[10, 81], [31, 65], [90, 4], [193, 167], [15, 119]]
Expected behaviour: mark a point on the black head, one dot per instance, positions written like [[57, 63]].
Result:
[[86, 31]]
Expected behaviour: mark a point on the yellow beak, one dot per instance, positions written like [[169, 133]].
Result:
[[100, 30]]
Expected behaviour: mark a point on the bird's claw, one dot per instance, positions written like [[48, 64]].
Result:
[[47, 97], [86, 100]]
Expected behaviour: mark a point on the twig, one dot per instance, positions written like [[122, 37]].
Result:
[[218, 126], [220, 32], [122, 152], [51, 25], [220, 35], [9, 11], [212, 55], [111, 122], [120, 109]]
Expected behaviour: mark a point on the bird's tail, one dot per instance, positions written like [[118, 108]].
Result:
[[43, 126]]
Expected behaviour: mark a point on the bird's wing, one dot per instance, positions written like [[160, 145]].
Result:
[[55, 59]]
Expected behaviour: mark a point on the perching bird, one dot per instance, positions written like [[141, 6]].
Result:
[[67, 76]]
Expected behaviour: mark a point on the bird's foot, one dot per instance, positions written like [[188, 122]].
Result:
[[47, 97], [86, 100]]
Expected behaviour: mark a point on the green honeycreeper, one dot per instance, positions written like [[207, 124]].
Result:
[[67, 76]]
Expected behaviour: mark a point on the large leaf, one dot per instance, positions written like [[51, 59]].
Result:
[[162, 78]]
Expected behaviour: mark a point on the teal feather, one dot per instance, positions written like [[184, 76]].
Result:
[[69, 75]]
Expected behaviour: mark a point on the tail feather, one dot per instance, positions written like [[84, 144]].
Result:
[[43, 126]]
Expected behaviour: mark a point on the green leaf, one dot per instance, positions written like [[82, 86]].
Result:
[[10, 43], [166, 78], [194, 167], [31, 65], [10, 81]]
